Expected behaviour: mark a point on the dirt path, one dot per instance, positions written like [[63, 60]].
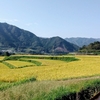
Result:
[[75, 80]]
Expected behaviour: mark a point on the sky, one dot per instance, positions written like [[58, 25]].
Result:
[[49, 18]]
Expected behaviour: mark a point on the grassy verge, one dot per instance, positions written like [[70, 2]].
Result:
[[37, 63], [81, 91], [68, 59], [9, 65], [6, 85], [53, 90], [14, 67]]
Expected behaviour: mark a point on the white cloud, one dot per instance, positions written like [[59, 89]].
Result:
[[35, 23], [8, 20], [28, 24], [14, 20]]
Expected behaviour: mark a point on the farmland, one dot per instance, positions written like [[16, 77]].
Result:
[[1, 58], [48, 70], [19, 63]]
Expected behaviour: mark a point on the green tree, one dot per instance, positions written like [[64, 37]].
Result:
[[6, 54]]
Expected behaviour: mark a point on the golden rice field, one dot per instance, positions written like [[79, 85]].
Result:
[[3, 67], [53, 69], [19, 63], [1, 58]]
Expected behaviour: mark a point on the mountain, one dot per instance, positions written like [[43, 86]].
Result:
[[57, 44], [81, 41], [12, 36], [24, 41]]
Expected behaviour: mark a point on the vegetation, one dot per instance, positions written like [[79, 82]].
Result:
[[52, 90], [92, 48], [62, 58], [37, 63], [5, 85], [51, 69], [19, 64], [56, 78], [9, 65], [1, 58]]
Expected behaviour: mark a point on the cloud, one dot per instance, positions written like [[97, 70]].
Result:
[[14, 20], [28, 24], [8, 20], [35, 23]]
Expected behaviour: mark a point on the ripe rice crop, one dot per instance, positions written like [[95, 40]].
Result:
[[54, 69], [2, 66], [19, 63], [1, 58]]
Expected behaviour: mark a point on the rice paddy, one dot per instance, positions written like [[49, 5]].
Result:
[[19, 63], [51, 69], [54, 78], [1, 57]]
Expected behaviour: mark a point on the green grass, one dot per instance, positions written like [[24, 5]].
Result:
[[37, 63], [6, 85], [84, 89], [50, 90], [9, 65], [62, 58]]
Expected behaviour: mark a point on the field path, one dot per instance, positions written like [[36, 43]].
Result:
[[79, 79]]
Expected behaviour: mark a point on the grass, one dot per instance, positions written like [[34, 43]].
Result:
[[64, 91], [8, 64], [37, 63], [19, 64], [6, 85], [47, 90], [62, 58]]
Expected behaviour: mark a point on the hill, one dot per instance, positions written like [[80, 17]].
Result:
[[81, 41], [12, 37], [92, 48], [58, 45]]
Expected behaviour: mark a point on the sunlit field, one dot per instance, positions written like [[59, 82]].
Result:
[[3, 67], [52, 69], [1, 57], [41, 78], [19, 63]]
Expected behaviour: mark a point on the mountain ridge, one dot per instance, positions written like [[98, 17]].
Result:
[[24, 41], [81, 41]]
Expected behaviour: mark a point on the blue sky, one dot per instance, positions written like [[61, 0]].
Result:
[[48, 18]]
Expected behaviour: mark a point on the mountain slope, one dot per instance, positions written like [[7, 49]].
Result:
[[81, 41], [22, 40], [13, 36], [57, 44]]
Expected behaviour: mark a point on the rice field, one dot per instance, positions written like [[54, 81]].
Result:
[[52, 69], [1, 57], [19, 63], [3, 67], [55, 78]]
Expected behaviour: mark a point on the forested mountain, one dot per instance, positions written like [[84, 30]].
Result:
[[12, 36], [81, 41], [57, 44], [24, 41]]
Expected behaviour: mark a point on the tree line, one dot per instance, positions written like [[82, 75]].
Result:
[[92, 48]]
